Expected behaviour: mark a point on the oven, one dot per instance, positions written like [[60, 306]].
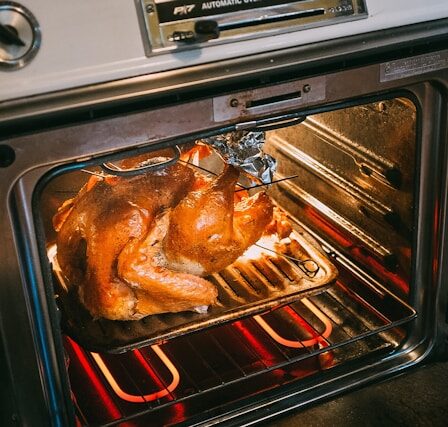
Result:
[[343, 283]]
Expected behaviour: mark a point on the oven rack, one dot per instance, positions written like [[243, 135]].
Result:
[[347, 321]]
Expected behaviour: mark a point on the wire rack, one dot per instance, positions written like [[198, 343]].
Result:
[[347, 321]]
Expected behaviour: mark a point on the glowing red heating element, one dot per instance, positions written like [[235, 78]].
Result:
[[95, 380], [318, 339], [165, 391]]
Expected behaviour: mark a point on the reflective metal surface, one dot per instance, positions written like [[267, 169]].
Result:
[[356, 168], [174, 25], [20, 35]]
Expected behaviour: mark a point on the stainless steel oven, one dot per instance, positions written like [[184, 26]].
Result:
[[354, 291]]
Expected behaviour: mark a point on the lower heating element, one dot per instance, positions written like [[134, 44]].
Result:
[[170, 381]]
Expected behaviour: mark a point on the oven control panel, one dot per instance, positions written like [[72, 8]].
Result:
[[183, 24]]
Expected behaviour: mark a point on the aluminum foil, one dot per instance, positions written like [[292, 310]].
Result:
[[244, 150]]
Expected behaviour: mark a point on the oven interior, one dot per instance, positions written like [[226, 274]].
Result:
[[347, 177]]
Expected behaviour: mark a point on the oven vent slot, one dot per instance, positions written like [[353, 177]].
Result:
[[273, 99], [269, 100]]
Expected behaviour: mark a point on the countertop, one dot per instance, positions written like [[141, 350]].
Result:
[[416, 398]]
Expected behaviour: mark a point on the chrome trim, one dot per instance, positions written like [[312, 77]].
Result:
[[35, 42], [269, 100], [239, 20]]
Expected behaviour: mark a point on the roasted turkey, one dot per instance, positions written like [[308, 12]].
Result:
[[137, 246]]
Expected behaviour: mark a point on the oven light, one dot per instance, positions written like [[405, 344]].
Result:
[[146, 397]]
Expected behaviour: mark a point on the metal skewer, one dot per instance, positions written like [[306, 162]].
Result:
[[265, 185], [242, 187], [198, 167], [99, 175], [208, 171]]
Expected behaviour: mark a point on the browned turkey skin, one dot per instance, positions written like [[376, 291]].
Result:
[[137, 246]]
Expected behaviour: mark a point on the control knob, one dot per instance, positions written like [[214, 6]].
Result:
[[19, 35], [204, 30]]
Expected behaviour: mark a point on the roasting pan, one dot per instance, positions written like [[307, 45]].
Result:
[[253, 284]]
